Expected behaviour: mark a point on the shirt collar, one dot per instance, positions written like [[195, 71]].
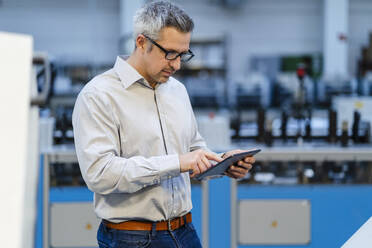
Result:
[[127, 74]]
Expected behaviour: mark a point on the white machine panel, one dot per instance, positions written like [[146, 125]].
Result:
[[19, 169], [274, 222], [345, 107], [73, 225], [215, 130]]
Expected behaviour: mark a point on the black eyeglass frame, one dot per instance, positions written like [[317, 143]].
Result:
[[189, 52]]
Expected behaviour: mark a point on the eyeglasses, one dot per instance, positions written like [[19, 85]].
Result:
[[171, 55]]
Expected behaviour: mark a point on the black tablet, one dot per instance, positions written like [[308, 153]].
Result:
[[220, 168]]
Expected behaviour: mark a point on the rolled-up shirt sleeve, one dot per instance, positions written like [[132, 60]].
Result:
[[97, 144]]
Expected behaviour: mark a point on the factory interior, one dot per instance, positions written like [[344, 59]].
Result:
[[290, 77]]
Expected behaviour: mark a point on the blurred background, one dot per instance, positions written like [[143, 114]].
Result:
[[291, 77]]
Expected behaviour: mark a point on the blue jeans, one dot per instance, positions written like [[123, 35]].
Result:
[[183, 237]]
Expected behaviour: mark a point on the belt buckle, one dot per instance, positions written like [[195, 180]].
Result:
[[169, 225]]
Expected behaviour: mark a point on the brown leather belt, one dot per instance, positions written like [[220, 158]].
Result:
[[147, 226]]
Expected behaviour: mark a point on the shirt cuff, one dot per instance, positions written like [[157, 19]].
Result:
[[170, 167]]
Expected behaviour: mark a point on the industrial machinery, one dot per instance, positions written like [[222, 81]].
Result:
[[205, 76], [365, 63]]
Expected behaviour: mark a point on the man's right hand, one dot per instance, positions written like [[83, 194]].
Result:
[[197, 161]]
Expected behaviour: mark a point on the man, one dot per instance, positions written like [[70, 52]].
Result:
[[137, 141]]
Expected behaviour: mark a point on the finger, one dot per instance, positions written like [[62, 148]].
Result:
[[237, 175], [213, 156], [226, 155], [234, 175], [249, 160], [229, 175], [233, 152], [202, 167], [206, 162], [242, 164], [238, 169], [195, 170], [230, 153]]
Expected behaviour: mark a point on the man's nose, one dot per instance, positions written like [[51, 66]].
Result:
[[176, 63]]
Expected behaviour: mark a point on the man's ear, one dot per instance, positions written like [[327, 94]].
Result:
[[141, 42]]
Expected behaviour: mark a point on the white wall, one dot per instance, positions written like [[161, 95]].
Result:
[[73, 30]]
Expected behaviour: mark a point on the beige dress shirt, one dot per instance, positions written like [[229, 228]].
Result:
[[128, 137]]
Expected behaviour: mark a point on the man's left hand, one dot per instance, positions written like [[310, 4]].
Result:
[[241, 168]]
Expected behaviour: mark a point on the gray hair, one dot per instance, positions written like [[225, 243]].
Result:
[[152, 17]]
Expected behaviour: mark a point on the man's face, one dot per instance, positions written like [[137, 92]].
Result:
[[156, 67]]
